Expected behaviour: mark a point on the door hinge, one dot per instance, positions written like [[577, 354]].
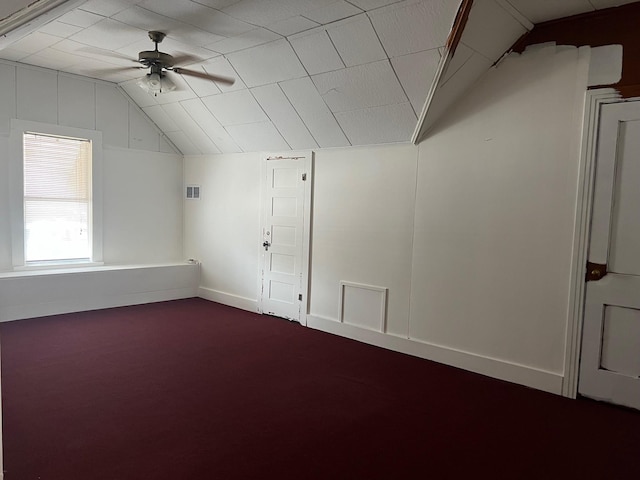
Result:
[[300, 297], [304, 177], [595, 271]]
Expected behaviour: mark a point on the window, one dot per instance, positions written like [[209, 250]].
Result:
[[57, 198], [56, 195]]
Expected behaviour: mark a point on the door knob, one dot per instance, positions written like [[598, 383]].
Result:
[[266, 245]]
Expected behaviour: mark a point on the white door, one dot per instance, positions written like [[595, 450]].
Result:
[[610, 358], [285, 236]]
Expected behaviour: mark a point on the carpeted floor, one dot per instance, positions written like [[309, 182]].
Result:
[[191, 389]]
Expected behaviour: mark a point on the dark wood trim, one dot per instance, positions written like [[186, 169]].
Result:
[[459, 25]]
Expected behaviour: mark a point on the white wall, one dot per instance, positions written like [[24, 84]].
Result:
[[471, 231], [142, 174]]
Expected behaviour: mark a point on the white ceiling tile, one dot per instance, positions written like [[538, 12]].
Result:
[[109, 34], [254, 11], [314, 112], [147, 20], [258, 36], [292, 25], [13, 54], [51, 58], [189, 126], [600, 4], [371, 4], [416, 73], [183, 143], [490, 30], [219, 4], [139, 96], [542, 10], [221, 66], [201, 86], [414, 27], [164, 122], [317, 53], [198, 15], [35, 42], [357, 42], [235, 108], [284, 117], [80, 18], [107, 8], [59, 29], [353, 88], [332, 13], [258, 136], [210, 125], [460, 57], [270, 63], [386, 124]]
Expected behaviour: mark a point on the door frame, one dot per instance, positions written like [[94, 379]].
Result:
[[306, 224], [594, 99]]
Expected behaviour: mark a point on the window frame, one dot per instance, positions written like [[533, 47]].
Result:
[[16, 191]]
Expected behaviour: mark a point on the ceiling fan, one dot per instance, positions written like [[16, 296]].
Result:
[[160, 64]]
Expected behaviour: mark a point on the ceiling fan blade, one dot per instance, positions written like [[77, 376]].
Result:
[[106, 53], [107, 71], [184, 58], [206, 76]]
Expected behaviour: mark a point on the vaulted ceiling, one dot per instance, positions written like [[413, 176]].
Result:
[[309, 73]]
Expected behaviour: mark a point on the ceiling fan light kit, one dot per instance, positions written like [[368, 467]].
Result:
[[155, 83]]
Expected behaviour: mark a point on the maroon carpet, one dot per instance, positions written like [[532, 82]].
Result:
[[194, 390]]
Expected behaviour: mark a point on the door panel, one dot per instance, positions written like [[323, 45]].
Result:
[[283, 236], [610, 358]]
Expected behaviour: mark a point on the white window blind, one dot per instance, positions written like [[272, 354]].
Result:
[[57, 198]]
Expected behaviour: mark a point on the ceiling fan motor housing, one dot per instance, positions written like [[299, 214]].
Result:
[[154, 57]]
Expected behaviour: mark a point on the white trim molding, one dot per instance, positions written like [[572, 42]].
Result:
[[594, 99], [521, 374], [229, 299]]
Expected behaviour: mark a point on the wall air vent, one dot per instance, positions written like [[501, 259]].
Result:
[[193, 192]]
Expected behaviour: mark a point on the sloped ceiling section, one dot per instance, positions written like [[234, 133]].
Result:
[[492, 28], [309, 73]]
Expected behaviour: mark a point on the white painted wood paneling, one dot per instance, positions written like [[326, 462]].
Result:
[[255, 137], [356, 41], [142, 135], [7, 96], [76, 102], [385, 124], [363, 306], [37, 95], [34, 42], [106, 9], [142, 207], [109, 34], [410, 27], [235, 108], [621, 341], [284, 117], [314, 113], [480, 221], [60, 29], [363, 86], [210, 125], [416, 73], [605, 67], [255, 65], [317, 53], [112, 116], [80, 18]]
